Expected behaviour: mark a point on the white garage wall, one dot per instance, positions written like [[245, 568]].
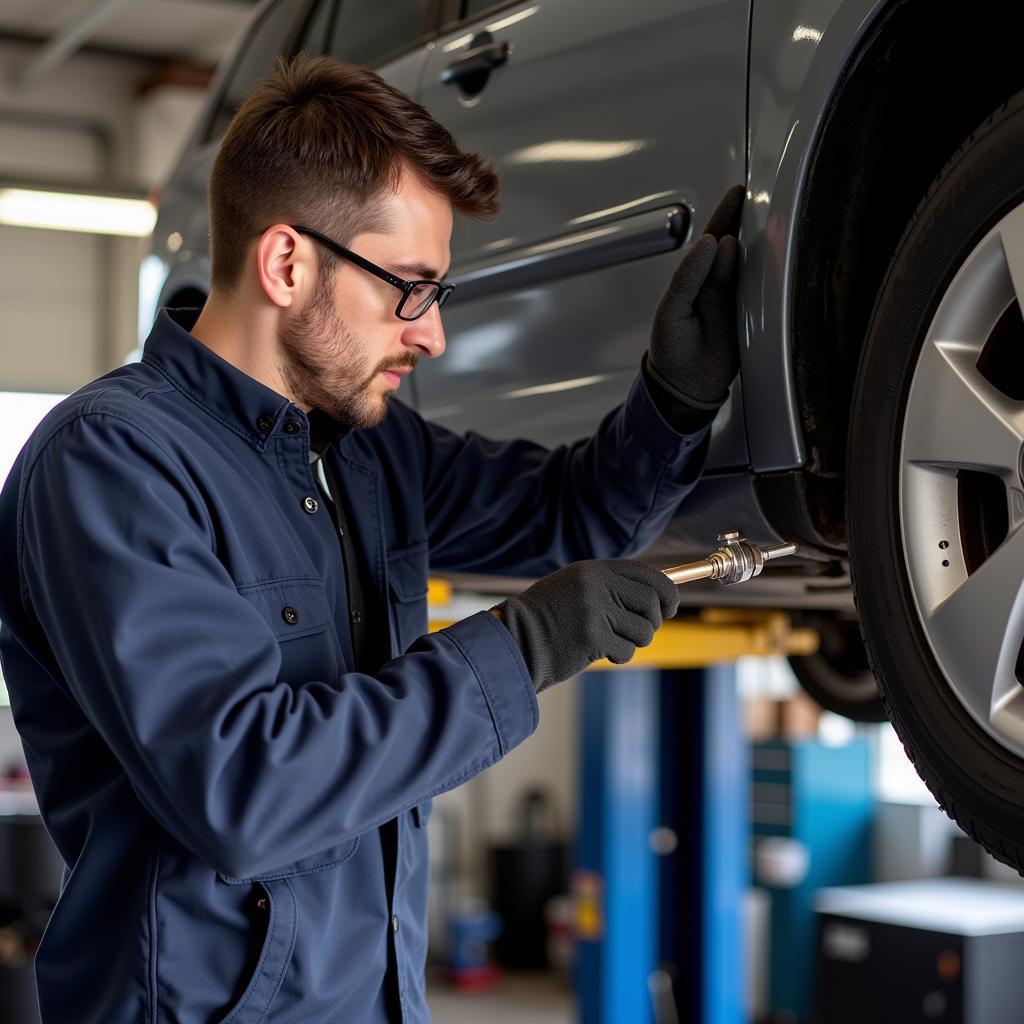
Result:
[[11, 752], [69, 301], [547, 760], [50, 289]]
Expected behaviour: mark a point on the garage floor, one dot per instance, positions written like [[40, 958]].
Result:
[[520, 999]]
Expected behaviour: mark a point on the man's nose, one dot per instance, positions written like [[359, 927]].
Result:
[[426, 335]]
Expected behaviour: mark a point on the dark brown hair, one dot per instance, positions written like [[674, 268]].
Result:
[[322, 143]]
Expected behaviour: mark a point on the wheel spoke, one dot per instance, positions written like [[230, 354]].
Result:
[[957, 419], [965, 422], [981, 624], [1011, 232]]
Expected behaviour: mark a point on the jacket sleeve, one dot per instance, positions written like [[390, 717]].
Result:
[[517, 508], [179, 673]]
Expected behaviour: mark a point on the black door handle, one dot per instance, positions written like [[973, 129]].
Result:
[[478, 61]]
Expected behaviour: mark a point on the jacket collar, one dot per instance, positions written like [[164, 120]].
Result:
[[238, 401]]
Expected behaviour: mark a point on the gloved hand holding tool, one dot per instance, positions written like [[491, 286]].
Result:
[[694, 348], [585, 612], [608, 608]]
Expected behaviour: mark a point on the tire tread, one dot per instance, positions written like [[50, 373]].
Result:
[[1002, 847]]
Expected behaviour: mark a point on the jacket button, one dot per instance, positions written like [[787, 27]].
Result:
[[310, 504], [262, 903], [292, 426], [356, 616], [290, 615], [394, 923], [265, 424]]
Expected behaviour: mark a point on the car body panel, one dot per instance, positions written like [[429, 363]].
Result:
[[798, 52], [616, 129], [604, 119]]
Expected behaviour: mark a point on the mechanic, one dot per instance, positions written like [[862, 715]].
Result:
[[212, 641]]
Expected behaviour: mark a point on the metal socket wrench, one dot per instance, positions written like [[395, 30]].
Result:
[[735, 562]]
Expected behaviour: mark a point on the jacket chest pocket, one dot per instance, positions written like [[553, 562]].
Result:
[[407, 597], [300, 617]]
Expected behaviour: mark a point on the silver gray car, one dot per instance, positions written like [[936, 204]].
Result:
[[879, 415]]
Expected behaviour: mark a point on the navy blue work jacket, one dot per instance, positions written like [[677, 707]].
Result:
[[175, 639]]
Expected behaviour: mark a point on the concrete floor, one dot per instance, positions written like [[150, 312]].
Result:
[[520, 998]]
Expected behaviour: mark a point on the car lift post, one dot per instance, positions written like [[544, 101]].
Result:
[[662, 853]]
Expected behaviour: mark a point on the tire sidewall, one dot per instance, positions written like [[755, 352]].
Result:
[[972, 775]]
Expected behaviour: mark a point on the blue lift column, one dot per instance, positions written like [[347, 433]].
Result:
[[661, 935], [705, 801]]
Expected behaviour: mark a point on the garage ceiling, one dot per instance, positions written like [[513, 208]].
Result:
[[197, 31]]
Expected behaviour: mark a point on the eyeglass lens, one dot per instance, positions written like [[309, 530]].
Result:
[[418, 301]]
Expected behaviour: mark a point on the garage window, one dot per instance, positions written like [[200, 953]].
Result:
[[369, 32]]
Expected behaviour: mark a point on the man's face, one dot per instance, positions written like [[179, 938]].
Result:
[[346, 352]]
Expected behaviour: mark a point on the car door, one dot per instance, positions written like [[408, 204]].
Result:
[[609, 124]]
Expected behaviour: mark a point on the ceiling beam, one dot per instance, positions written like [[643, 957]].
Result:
[[67, 40], [140, 57]]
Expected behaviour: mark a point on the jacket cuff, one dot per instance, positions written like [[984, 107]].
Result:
[[680, 415], [500, 670], [661, 439]]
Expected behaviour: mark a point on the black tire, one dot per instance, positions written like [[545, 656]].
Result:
[[977, 780], [837, 676]]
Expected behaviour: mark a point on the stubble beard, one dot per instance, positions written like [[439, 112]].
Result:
[[323, 366]]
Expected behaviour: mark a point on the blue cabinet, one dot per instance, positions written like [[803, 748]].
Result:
[[810, 814]]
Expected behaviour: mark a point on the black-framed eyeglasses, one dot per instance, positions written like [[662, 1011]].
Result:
[[417, 296]]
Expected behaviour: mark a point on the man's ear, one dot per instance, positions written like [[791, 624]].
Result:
[[284, 265]]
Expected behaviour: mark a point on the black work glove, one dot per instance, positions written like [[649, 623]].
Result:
[[587, 611], [694, 350]]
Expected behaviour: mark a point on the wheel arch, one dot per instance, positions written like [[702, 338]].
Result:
[[916, 79]]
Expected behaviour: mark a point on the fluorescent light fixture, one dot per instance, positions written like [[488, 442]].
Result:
[[77, 211]]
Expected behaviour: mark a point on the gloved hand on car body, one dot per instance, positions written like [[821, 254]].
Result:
[[600, 608], [694, 347]]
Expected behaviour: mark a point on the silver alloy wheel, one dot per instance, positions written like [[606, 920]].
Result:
[[956, 420]]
